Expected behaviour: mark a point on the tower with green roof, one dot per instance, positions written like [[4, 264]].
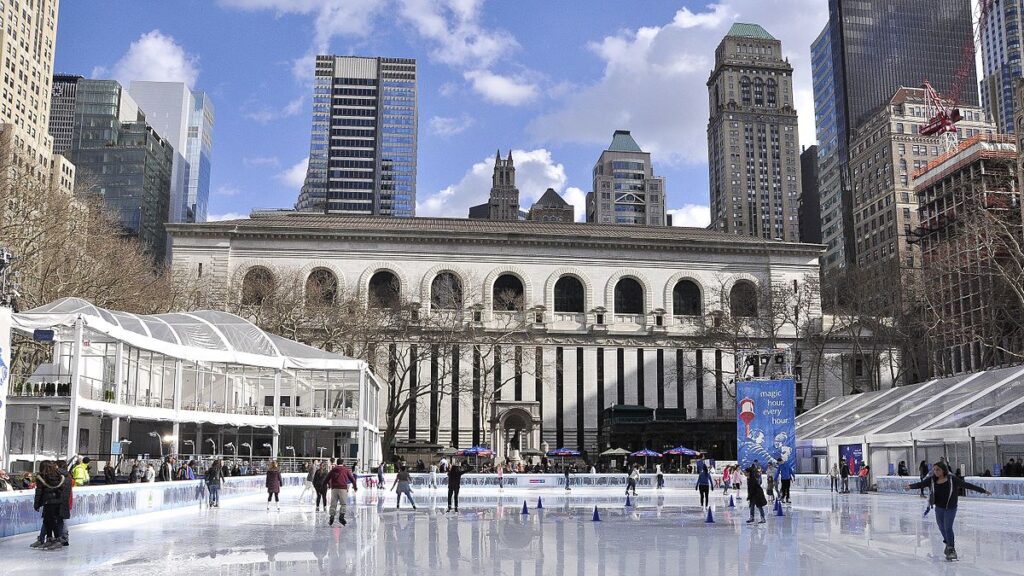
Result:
[[626, 191], [753, 141]]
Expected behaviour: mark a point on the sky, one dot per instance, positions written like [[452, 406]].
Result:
[[549, 80]]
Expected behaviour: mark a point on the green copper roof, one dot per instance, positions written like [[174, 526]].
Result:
[[623, 142], [749, 31]]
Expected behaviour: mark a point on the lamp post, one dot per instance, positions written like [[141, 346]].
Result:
[[214, 444], [249, 446], [321, 449], [193, 444], [155, 434], [292, 448], [232, 446]]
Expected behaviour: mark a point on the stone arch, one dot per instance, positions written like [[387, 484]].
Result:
[[609, 292], [669, 302], [404, 287], [549, 288], [428, 279], [494, 274], [256, 284], [736, 279]]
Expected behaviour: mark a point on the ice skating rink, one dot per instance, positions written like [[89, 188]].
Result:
[[663, 534]]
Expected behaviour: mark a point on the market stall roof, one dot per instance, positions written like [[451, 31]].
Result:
[[202, 335]]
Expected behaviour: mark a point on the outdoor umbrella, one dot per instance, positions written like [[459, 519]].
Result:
[[612, 452], [646, 453], [476, 452], [563, 453], [682, 451]]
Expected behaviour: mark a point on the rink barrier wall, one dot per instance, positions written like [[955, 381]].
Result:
[[103, 502], [1001, 488]]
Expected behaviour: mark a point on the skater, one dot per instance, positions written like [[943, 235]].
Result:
[[726, 480], [755, 495], [339, 479], [455, 483], [433, 475], [737, 475], [863, 478], [833, 475], [501, 479], [380, 477], [214, 479], [320, 485], [844, 476], [703, 484], [770, 475], [632, 479], [52, 496], [307, 485], [944, 487], [274, 484], [568, 470], [660, 476], [785, 474], [403, 483]]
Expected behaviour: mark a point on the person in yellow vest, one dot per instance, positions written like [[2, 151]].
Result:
[[81, 472]]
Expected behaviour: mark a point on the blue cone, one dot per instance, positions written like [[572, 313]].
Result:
[[540, 505], [526, 511], [778, 509], [628, 503], [732, 503], [710, 519], [597, 517]]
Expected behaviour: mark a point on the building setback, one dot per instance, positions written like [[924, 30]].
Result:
[[626, 191], [362, 157], [753, 143], [618, 315], [879, 46], [978, 322], [810, 199], [1001, 38]]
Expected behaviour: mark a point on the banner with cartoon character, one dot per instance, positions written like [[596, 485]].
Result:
[[766, 422]]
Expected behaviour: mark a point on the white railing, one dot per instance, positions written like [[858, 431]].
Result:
[[629, 319], [570, 317]]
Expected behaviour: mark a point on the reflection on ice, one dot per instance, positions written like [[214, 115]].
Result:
[[663, 533]]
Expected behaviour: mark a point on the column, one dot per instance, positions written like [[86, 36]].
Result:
[[361, 460], [115, 423], [176, 429], [76, 377], [277, 414]]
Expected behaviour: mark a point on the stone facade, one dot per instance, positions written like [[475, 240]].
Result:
[[645, 296]]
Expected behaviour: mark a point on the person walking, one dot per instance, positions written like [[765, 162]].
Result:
[[844, 476], [80, 472], [320, 485], [945, 488], [339, 479], [833, 475], [274, 484], [633, 479], [455, 483], [307, 484], [863, 478], [785, 474], [704, 484], [660, 476], [771, 474], [403, 485], [755, 494], [214, 479]]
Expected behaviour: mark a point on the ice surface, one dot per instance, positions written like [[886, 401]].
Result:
[[665, 534]]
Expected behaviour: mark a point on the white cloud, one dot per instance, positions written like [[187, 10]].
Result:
[[269, 161], [535, 173], [654, 80], [155, 57], [446, 126], [266, 114], [578, 199], [227, 190], [226, 216], [693, 215], [454, 27], [498, 89], [295, 176]]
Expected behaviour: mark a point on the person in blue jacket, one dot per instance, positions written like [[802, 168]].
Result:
[[703, 484], [945, 494], [784, 473]]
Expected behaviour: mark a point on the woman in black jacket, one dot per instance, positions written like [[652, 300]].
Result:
[[945, 495], [52, 496], [755, 494], [320, 486]]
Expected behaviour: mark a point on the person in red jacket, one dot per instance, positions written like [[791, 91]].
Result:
[[338, 480]]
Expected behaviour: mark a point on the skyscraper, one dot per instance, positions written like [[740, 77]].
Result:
[[879, 46], [1001, 39], [185, 118], [832, 218], [809, 214], [503, 203], [626, 191], [753, 143], [362, 156]]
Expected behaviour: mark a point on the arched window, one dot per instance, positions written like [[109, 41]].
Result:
[[569, 295], [257, 286], [507, 293], [743, 300], [629, 297], [771, 92], [758, 92], [686, 299], [745, 90], [321, 287], [384, 290], [446, 292]]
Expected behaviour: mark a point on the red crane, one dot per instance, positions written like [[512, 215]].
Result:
[[943, 111]]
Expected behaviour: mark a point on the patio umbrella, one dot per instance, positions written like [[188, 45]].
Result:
[[682, 451], [646, 453], [563, 453], [476, 452], [613, 452]]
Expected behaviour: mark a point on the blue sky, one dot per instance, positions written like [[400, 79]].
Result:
[[550, 80]]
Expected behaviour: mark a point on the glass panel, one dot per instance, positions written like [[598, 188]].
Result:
[[948, 400], [817, 410], [1013, 416], [982, 407], [914, 396], [868, 402]]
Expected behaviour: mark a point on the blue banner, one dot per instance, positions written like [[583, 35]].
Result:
[[852, 456], [766, 422]]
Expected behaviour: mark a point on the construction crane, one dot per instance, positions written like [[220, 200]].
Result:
[[942, 111]]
